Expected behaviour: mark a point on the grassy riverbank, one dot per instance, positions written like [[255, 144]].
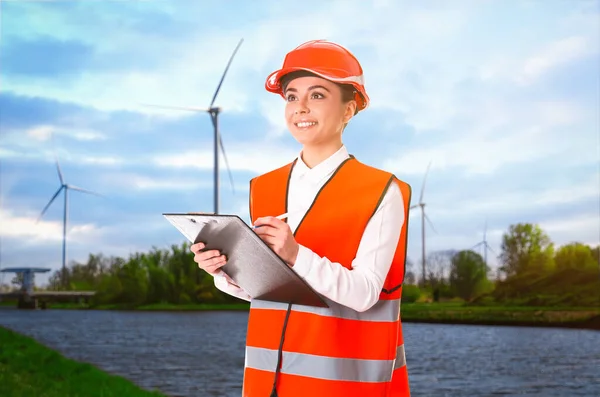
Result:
[[28, 368], [458, 313]]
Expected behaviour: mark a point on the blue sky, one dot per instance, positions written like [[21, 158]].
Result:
[[501, 96]]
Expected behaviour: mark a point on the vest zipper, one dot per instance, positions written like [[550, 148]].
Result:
[[280, 352], [287, 315]]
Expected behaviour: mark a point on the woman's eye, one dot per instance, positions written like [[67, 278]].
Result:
[[317, 95], [290, 98]]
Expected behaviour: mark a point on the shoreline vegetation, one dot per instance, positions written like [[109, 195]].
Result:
[[433, 313], [29, 368], [535, 283]]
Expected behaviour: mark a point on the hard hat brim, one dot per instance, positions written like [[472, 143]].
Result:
[[273, 81]]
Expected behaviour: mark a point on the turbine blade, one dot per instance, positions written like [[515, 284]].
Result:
[[484, 229], [224, 73], [226, 163], [414, 206], [62, 181], [60, 176], [477, 245], [430, 223], [188, 108], [84, 190], [490, 248], [49, 203], [424, 179]]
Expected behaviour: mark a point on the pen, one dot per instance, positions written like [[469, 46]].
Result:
[[282, 216]]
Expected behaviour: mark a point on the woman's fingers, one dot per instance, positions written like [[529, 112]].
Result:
[[210, 260], [268, 231]]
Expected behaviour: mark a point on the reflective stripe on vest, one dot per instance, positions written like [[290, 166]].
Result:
[[383, 310], [344, 369]]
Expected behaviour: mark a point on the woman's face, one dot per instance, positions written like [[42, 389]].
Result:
[[314, 112]]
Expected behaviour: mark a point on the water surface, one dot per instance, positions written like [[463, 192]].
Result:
[[202, 353]]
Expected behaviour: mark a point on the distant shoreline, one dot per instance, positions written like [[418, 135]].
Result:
[[427, 313], [590, 324]]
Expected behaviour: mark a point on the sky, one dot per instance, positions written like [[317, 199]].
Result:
[[501, 97]]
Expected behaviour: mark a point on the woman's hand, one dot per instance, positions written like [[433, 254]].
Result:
[[278, 235], [210, 261]]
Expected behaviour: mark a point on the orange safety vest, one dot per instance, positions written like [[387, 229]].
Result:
[[299, 351]]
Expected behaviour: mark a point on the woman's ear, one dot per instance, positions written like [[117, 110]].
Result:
[[350, 110]]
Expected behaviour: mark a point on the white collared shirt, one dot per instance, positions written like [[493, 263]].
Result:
[[357, 288]]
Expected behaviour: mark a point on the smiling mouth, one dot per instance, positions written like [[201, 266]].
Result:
[[305, 124]]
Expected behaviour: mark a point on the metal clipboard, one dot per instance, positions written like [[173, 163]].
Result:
[[251, 263]]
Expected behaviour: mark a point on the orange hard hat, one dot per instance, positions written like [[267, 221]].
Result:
[[327, 60]]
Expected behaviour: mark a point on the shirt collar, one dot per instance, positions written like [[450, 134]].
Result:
[[324, 168]]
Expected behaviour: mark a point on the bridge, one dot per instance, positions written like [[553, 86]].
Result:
[[28, 298]]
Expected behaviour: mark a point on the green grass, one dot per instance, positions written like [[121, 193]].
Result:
[[518, 315], [28, 368]]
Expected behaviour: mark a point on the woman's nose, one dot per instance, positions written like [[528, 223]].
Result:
[[301, 108]]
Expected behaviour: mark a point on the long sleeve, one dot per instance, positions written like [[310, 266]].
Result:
[[359, 288], [224, 285]]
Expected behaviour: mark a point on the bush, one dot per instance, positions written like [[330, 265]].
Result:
[[410, 293], [566, 287], [483, 300]]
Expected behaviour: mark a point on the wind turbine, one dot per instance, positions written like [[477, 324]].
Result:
[[424, 216], [485, 244], [66, 187], [218, 141]]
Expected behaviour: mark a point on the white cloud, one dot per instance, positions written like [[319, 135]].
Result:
[[241, 156], [579, 223], [40, 133], [566, 195], [517, 133], [8, 153], [136, 181], [144, 183], [247, 157], [45, 132], [274, 113], [553, 55], [66, 156], [99, 160], [511, 201], [88, 135], [26, 229], [35, 153], [584, 228]]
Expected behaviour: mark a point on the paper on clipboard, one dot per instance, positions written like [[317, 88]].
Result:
[[251, 263], [189, 224]]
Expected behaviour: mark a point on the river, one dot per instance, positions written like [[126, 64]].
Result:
[[202, 353]]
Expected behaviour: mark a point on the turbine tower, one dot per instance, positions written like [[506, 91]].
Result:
[[218, 141], [485, 244], [424, 217], [66, 187]]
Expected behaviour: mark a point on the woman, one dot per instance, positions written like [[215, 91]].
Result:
[[345, 235]]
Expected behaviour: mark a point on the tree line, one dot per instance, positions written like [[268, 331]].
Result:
[[532, 272]]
